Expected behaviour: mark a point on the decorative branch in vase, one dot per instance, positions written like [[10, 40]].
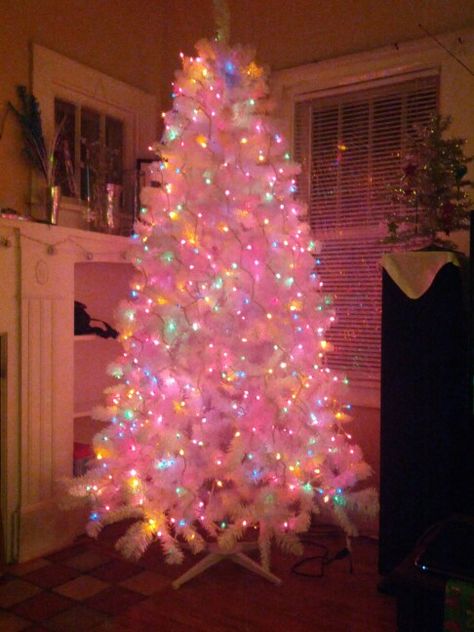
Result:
[[38, 152], [104, 187], [431, 195]]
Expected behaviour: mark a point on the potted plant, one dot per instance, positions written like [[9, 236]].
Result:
[[431, 196]]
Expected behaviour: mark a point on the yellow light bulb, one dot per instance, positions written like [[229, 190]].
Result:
[[295, 306], [254, 71], [201, 140]]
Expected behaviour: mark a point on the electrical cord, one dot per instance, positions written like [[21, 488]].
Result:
[[323, 558]]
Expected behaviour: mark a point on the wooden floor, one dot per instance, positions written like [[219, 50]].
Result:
[[226, 598]]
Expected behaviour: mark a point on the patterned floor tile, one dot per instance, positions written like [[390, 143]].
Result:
[[114, 600], [71, 551], [116, 571], [153, 560], [42, 606], [114, 626], [87, 561], [146, 583], [11, 623], [77, 619], [16, 590], [51, 575], [81, 587], [28, 567]]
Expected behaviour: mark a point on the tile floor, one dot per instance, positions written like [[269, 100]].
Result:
[[89, 587], [75, 589]]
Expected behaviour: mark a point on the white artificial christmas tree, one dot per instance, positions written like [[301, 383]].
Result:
[[224, 420]]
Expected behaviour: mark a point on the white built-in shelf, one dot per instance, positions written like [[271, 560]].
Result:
[[86, 337], [82, 413], [85, 408]]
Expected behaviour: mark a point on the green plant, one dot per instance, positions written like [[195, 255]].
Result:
[[430, 195]]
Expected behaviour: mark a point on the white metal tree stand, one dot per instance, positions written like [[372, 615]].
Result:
[[236, 555]]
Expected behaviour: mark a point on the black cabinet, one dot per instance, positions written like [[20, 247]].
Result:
[[426, 432]]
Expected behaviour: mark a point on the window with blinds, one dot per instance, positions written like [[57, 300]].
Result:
[[349, 145]]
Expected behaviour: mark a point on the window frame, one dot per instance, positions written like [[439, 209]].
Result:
[[57, 76], [400, 62]]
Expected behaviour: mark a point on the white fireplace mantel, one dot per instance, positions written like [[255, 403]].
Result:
[[36, 405]]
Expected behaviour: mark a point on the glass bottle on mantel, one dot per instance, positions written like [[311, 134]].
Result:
[[90, 164], [113, 197], [52, 203]]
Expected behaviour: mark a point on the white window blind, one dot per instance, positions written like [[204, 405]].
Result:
[[349, 145]]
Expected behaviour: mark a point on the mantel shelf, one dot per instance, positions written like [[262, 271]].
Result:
[[62, 241]]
